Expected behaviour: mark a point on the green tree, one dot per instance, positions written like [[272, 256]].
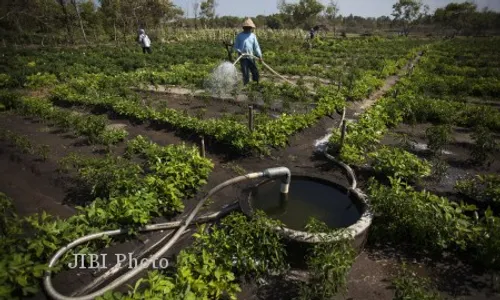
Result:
[[304, 13], [113, 16], [331, 13], [207, 10], [76, 6], [28, 17], [67, 19], [482, 21], [92, 17], [275, 21], [131, 14], [196, 10], [408, 12], [457, 16]]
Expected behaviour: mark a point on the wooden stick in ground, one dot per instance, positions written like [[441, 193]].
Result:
[[202, 146], [250, 118], [343, 117]]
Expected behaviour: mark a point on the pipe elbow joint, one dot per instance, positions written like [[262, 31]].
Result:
[[278, 172]]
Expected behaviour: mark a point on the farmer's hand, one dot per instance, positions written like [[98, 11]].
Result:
[[261, 59]]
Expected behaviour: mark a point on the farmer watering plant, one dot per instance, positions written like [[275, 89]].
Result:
[[246, 44], [144, 41]]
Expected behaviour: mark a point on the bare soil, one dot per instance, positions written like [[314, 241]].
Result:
[[194, 102], [456, 155]]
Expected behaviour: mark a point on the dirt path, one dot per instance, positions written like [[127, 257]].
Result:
[[357, 108]]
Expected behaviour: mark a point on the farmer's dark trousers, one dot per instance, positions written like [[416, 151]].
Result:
[[146, 49], [248, 66]]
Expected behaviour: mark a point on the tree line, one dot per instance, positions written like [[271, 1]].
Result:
[[75, 21]]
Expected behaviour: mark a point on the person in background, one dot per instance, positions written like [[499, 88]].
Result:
[[246, 43], [145, 42], [313, 31]]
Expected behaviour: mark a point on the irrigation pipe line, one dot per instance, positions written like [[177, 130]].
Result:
[[348, 169], [120, 266], [183, 225], [265, 65], [350, 172]]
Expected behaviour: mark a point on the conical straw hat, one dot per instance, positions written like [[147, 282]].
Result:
[[248, 23]]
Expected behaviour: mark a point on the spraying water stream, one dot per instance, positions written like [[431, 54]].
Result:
[[223, 81]]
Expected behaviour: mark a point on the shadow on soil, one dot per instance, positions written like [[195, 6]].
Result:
[[77, 193], [279, 288]]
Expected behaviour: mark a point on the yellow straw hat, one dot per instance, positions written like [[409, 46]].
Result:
[[248, 23]]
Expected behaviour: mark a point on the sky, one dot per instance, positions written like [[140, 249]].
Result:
[[364, 8]]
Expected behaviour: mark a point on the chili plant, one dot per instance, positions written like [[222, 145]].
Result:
[[329, 264], [409, 286]]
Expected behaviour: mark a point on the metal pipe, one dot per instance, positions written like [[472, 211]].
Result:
[[281, 172], [120, 266], [47, 281], [342, 133]]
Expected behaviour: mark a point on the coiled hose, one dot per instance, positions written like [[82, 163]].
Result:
[[181, 225]]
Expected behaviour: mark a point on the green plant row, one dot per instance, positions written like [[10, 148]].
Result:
[[362, 145], [274, 133], [368, 54], [396, 162], [458, 68], [410, 286], [23, 143], [433, 224], [209, 269], [364, 136], [128, 194], [482, 188], [430, 223], [39, 67], [90, 126]]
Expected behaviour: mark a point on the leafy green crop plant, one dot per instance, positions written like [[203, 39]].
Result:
[[90, 126], [398, 163], [430, 222], [409, 286], [210, 268], [329, 264], [485, 145], [126, 195], [483, 188], [438, 136]]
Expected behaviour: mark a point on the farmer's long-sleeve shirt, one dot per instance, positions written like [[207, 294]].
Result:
[[144, 40], [246, 43]]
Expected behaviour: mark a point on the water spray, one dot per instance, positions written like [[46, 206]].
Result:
[[224, 78]]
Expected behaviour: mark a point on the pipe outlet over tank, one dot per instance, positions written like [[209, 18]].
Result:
[[280, 172]]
